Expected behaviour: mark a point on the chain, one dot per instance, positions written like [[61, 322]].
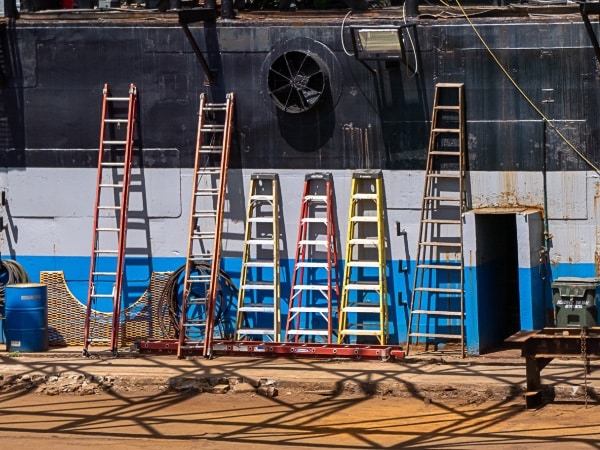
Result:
[[585, 365]]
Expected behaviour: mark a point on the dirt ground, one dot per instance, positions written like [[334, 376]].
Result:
[[136, 420]]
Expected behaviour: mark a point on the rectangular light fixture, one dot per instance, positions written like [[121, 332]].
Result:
[[379, 42]]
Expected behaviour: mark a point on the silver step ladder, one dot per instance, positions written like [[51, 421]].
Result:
[[437, 313]]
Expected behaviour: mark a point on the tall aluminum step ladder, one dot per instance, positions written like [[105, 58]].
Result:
[[437, 306], [200, 287], [315, 279], [110, 215], [363, 307], [258, 312]]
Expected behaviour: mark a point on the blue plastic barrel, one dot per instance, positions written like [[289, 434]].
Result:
[[26, 322]]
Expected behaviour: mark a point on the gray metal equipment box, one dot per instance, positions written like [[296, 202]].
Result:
[[576, 300]]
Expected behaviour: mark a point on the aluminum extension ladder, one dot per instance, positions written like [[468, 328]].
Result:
[[315, 279], [110, 214], [437, 305], [363, 308], [200, 287], [258, 311]]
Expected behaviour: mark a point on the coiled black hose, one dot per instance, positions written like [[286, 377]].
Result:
[[169, 301], [11, 272]]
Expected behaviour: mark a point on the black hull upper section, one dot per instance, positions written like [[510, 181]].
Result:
[[368, 114]]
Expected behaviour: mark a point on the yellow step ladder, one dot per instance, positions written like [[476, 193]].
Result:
[[437, 306], [363, 307], [258, 311], [200, 286]]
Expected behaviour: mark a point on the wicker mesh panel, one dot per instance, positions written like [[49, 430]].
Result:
[[66, 314]]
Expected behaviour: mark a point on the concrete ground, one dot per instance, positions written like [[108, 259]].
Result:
[[432, 376]]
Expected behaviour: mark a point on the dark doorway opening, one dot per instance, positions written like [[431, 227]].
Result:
[[497, 278]]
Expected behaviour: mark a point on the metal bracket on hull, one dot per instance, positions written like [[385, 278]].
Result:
[[586, 9], [197, 15]]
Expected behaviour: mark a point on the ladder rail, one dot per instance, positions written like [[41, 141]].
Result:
[[216, 262]]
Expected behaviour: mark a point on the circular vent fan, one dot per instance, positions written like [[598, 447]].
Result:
[[297, 81]]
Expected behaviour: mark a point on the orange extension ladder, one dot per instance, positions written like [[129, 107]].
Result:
[[197, 321], [110, 212]]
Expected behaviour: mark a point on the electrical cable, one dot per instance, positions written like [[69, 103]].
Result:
[[523, 94], [169, 300], [14, 273]]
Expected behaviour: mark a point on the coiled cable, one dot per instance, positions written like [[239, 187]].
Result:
[[169, 301], [11, 272]]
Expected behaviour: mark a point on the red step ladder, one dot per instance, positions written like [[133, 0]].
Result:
[[315, 280], [110, 214]]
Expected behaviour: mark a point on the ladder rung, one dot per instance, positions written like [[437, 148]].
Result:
[[112, 164], [117, 99], [249, 331], [364, 286], [266, 308], [108, 229], [443, 222], [364, 196], [104, 274], [443, 199], [314, 220], [261, 219], [310, 309], [255, 285], [447, 107], [312, 264], [106, 252], [438, 313], [440, 244], [215, 107], [116, 142], [437, 335], [268, 263], [209, 171], [444, 175], [363, 264], [261, 198], [322, 242], [363, 218], [260, 242], [106, 207], [310, 287], [101, 296], [440, 290], [115, 120], [440, 266], [308, 332], [373, 332], [111, 186], [316, 198], [373, 241], [446, 130]]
